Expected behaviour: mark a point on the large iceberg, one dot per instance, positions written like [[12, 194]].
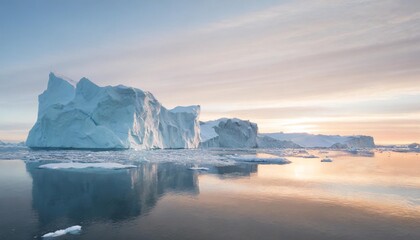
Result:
[[84, 115], [229, 133], [319, 140]]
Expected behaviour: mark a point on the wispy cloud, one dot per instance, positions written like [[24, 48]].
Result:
[[288, 60]]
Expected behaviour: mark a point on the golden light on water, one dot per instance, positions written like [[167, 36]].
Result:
[[303, 172], [350, 180]]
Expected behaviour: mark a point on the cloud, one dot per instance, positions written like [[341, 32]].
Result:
[[285, 62]]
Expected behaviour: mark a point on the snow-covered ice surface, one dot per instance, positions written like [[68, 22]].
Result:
[[260, 158], [199, 168], [72, 230], [191, 157], [78, 165]]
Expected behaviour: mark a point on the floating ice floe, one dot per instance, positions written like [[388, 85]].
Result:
[[77, 165], [199, 168], [72, 230], [257, 159], [308, 156], [326, 160]]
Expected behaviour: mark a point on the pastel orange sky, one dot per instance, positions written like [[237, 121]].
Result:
[[319, 66]]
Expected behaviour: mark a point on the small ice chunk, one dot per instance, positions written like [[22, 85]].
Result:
[[257, 159], [326, 160], [308, 156], [199, 168], [72, 230], [78, 165]]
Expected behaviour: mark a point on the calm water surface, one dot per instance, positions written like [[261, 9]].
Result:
[[354, 197]]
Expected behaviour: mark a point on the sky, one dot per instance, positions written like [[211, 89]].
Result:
[[320, 66]]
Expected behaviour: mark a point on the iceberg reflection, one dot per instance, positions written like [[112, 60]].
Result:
[[105, 194]]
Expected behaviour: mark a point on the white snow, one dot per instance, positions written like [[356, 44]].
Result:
[[89, 116], [72, 230], [186, 109], [228, 133], [199, 168], [78, 165], [207, 130]]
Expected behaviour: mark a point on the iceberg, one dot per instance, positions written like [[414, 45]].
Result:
[[72, 230], [84, 115], [228, 133], [325, 141], [414, 146]]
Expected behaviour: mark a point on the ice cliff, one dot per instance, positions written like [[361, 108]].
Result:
[[335, 141], [229, 133], [84, 115]]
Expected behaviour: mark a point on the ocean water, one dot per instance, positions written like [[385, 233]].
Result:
[[243, 195]]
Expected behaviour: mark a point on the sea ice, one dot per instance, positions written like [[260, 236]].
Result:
[[257, 159], [199, 168], [308, 156], [72, 230]]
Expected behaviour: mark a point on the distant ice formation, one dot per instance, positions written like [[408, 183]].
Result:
[[12, 144], [326, 160], [269, 142], [84, 115], [72, 230], [414, 146], [326, 141], [229, 133]]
